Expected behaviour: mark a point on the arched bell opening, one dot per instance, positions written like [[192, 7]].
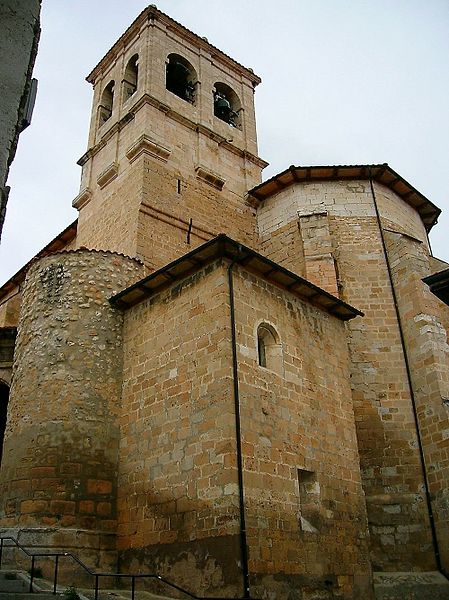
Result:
[[131, 77], [4, 398], [180, 78], [106, 103], [227, 106]]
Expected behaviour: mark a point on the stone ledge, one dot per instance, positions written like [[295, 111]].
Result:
[[145, 145], [107, 175], [208, 176], [82, 199]]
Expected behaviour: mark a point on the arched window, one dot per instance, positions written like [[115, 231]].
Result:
[[227, 105], [180, 78], [131, 77], [106, 104], [4, 397], [269, 348]]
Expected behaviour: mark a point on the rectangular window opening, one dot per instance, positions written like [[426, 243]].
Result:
[[309, 500]]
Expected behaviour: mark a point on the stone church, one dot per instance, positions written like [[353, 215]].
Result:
[[242, 386]]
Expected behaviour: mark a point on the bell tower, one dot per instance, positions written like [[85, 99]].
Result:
[[172, 145]]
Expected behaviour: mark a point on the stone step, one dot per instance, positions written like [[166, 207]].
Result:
[[13, 582], [15, 585], [411, 586]]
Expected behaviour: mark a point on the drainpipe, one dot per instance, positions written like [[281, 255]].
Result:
[[238, 435], [412, 394]]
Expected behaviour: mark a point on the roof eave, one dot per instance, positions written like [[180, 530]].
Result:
[[56, 244], [152, 12], [380, 173], [223, 246]]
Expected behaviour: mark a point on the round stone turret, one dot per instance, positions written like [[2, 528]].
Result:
[[59, 465]]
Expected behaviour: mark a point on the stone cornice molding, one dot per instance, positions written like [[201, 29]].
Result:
[[210, 177], [107, 175], [145, 145], [82, 199]]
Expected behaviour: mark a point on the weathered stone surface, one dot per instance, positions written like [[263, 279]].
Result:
[[60, 451], [178, 481]]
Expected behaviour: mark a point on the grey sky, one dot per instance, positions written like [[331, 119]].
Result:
[[343, 82]]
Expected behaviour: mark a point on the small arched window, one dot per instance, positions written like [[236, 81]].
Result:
[[180, 78], [227, 105], [106, 103], [269, 348], [131, 77]]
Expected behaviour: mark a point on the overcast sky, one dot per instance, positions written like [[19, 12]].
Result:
[[343, 82]]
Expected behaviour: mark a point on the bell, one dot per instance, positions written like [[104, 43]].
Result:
[[223, 108]]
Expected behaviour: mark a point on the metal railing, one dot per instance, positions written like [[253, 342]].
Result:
[[96, 575]]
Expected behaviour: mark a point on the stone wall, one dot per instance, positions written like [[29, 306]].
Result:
[[178, 486], [306, 515], [178, 511], [7, 343], [58, 477], [392, 477], [152, 199], [10, 308], [428, 356]]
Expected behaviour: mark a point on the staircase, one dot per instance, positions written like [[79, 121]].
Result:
[[15, 585], [19, 584]]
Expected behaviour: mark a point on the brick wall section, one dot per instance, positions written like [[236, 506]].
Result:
[[399, 527], [142, 206], [178, 481], [393, 483], [178, 494], [428, 354], [301, 418], [284, 246], [60, 454], [109, 220], [165, 214]]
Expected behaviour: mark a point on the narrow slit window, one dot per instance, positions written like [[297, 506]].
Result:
[[261, 351]]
